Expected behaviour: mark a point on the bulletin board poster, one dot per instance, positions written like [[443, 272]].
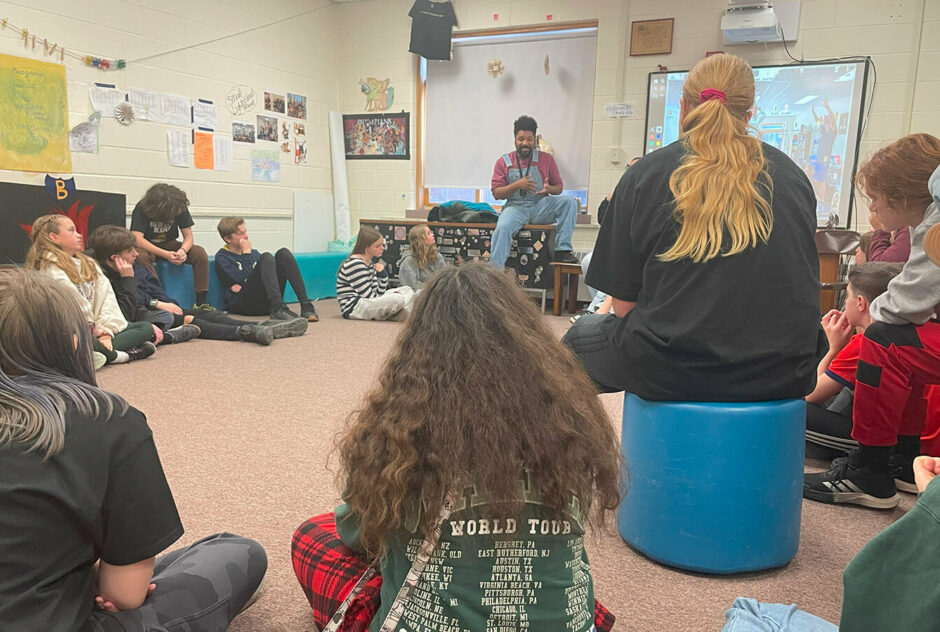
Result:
[[34, 129]]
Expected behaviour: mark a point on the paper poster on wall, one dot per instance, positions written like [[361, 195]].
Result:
[[34, 123], [379, 96], [105, 98], [147, 105], [377, 136], [222, 150], [265, 166], [205, 114], [203, 150], [285, 137], [267, 128], [175, 109], [84, 137], [300, 144], [243, 132], [296, 106], [22, 204], [274, 102], [240, 99], [177, 147]]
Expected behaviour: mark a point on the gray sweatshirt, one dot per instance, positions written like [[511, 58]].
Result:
[[410, 275], [914, 295]]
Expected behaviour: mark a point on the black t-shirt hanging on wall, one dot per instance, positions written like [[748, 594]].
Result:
[[431, 24]]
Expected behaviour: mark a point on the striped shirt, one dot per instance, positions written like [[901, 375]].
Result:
[[356, 279]]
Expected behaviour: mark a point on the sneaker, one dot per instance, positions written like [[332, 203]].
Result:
[[282, 312], [120, 357], [98, 359], [903, 470], [565, 256], [308, 311], [204, 307], [581, 312], [140, 352], [848, 483], [256, 333], [286, 328], [180, 334]]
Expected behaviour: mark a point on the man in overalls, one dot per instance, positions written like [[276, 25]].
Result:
[[530, 183]]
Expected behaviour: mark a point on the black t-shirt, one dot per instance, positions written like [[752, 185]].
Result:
[[103, 496], [431, 24], [739, 328], [159, 232]]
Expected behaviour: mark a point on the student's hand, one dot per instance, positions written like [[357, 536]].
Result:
[[837, 328], [526, 184], [107, 606], [860, 256], [182, 254], [106, 342], [173, 308], [926, 468], [379, 266], [245, 245], [544, 190], [236, 288], [123, 268]]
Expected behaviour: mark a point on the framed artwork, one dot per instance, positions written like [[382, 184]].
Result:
[[377, 136], [651, 37]]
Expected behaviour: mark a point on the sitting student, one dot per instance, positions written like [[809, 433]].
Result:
[[141, 297], [361, 284], [56, 251], [157, 221], [254, 282], [86, 505], [520, 470], [890, 585], [829, 406], [422, 261], [698, 255], [900, 352]]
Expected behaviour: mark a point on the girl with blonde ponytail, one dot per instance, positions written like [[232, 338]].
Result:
[[708, 253]]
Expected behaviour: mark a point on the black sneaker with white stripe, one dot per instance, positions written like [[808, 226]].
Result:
[[851, 483]]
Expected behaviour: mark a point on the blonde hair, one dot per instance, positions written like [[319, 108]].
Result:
[[45, 252], [721, 188], [420, 249]]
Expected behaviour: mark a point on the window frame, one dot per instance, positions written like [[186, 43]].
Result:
[[422, 193]]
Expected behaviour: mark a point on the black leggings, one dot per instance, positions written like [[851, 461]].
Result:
[[213, 326], [264, 289]]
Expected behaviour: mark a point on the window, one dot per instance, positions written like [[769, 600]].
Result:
[[467, 114]]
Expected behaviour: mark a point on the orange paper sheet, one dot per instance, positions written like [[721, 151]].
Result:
[[203, 154]]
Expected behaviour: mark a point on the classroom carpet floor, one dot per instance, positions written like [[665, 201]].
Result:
[[246, 436]]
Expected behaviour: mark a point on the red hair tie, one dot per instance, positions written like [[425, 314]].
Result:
[[710, 93]]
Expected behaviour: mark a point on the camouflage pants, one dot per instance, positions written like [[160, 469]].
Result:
[[200, 588]]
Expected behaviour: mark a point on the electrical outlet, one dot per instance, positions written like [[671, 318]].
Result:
[[615, 156]]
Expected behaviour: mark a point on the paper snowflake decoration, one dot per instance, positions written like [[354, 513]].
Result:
[[124, 113], [495, 68]]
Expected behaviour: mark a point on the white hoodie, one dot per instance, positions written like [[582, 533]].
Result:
[[96, 298]]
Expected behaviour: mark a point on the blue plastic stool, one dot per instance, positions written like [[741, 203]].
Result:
[[714, 487]]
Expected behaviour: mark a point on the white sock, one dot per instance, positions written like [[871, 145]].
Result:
[[122, 358]]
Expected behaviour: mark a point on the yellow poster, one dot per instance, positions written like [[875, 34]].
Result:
[[34, 129]]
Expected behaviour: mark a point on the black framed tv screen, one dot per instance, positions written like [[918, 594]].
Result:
[[810, 111]]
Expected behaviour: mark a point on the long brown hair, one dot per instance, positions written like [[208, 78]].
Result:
[[420, 249], [366, 237], [721, 188], [477, 390], [44, 252], [899, 172]]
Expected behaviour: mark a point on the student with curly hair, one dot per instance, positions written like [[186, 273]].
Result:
[[422, 261], [157, 221], [478, 403]]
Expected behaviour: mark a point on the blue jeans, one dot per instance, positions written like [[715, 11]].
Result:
[[750, 615], [551, 209]]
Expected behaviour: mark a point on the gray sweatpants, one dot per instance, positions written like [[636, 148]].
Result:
[[200, 588]]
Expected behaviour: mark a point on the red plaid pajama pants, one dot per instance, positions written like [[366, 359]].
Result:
[[327, 570]]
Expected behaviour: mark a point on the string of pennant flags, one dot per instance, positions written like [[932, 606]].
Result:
[[52, 49]]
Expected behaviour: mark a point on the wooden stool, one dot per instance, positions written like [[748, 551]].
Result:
[[573, 270]]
